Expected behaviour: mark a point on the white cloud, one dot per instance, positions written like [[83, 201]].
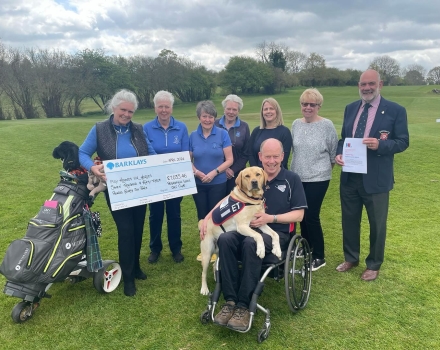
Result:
[[349, 34]]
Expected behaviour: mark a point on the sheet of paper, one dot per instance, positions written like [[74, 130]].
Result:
[[354, 155], [142, 180]]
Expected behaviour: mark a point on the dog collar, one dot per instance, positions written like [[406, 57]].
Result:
[[254, 198]]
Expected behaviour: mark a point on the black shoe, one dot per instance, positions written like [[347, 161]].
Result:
[[140, 275], [317, 264], [152, 259], [178, 257], [129, 289]]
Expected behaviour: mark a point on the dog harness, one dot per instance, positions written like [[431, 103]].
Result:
[[226, 210]]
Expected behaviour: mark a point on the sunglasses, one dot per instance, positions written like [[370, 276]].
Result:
[[313, 105]]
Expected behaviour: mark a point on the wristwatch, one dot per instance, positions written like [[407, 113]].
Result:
[[275, 220], [218, 171]]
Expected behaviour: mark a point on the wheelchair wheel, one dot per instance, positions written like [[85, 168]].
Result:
[[263, 333], [205, 317], [298, 273], [107, 279]]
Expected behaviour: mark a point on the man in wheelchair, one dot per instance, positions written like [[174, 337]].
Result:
[[285, 204]]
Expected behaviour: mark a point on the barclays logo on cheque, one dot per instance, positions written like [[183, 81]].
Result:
[[125, 163]]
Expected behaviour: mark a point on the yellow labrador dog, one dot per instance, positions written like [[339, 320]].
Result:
[[246, 199]]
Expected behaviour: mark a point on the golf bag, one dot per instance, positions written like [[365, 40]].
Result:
[[55, 240]]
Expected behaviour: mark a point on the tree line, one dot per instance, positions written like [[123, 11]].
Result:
[[276, 67], [52, 83]]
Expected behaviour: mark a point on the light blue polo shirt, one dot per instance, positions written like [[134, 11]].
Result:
[[173, 139], [208, 153]]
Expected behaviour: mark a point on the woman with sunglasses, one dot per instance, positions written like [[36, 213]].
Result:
[[313, 157]]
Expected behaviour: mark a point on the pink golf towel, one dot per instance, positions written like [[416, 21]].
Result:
[[51, 204]]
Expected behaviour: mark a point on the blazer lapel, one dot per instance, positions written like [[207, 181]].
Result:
[[350, 123], [381, 110]]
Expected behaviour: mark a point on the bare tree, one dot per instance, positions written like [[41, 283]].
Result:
[[265, 49], [18, 82], [51, 79], [81, 79], [141, 69], [414, 67], [434, 76], [388, 68], [313, 73], [295, 61], [414, 74]]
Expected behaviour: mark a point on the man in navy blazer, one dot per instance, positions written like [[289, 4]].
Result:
[[386, 133]]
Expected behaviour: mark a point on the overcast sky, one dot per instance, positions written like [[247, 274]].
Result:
[[349, 34]]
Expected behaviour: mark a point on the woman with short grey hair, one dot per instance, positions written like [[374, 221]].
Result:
[[114, 138], [167, 135], [163, 96], [239, 133], [211, 152]]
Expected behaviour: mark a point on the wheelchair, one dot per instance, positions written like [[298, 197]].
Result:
[[295, 267]]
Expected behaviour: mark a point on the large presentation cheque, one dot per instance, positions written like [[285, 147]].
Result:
[[142, 180]]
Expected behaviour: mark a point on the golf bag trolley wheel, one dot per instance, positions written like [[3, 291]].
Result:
[[298, 273], [23, 311], [107, 279]]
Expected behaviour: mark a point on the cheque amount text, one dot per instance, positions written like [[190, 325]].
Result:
[[178, 176]]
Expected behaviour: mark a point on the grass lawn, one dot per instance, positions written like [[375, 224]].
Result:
[[400, 310]]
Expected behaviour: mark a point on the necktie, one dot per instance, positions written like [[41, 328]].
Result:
[[362, 123]]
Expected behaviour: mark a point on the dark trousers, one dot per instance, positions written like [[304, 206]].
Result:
[[230, 184], [207, 197], [311, 228], [174, 223], [234, 247], [130, 225], [353, 198]]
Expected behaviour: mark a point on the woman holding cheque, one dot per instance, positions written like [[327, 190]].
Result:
[[115, 138], [167, 135]]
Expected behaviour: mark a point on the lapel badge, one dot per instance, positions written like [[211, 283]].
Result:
[[383, 134], [383, 112]]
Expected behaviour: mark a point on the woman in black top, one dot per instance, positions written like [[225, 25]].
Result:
[[271, 126]]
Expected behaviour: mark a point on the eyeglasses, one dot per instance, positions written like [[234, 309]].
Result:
[[313, 105]]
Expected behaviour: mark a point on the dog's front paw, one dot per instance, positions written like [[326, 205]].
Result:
[[276, 250], [260, 250], [204, 290]]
